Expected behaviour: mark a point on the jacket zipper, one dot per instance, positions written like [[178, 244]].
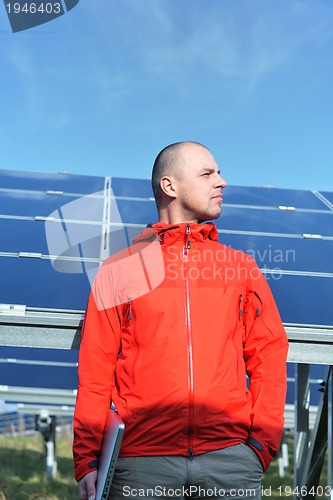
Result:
[[241, 308], [187, 246], [135, 337], [234, 343]]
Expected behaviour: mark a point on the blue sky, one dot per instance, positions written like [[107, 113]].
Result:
[[100, 90]]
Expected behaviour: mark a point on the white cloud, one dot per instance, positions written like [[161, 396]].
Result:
[[128, 47], [171, 44], [21, 59], [21, 66]]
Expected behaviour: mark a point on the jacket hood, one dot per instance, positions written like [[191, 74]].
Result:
[[168, 233]]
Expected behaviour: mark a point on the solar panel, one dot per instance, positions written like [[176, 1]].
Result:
[[42, 181], [21, 235], [22, 203], [295, 254], [273, 197], [132, 188], [38, 368], [327, 197], [285, 222], [33, 282], [305, 300], [74, 221], [137, 212]]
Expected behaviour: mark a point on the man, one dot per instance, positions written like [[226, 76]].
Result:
[[196, 366]]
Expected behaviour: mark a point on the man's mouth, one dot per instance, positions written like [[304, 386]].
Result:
[[218, 197]]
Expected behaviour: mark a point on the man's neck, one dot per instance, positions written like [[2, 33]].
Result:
[[168, 216]]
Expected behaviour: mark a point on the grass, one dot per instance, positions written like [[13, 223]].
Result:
[[22, 470], [23, 476]]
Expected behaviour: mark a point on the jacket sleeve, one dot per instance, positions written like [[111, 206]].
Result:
[[100, 344], [265, 353]]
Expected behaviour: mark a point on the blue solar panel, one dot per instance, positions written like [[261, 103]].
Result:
[[78, 232], [133, 188], [66, 239], [291, 254], [272, 197], [304, 300], [327, 195], [69, 355], [38, 181], [137, 212], [19, 235], [20, 203], [13, 374], [243, 219], [276, 221], [34, 283]]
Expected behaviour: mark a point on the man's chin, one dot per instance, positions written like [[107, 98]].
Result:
[[216, 214], [212, 216]]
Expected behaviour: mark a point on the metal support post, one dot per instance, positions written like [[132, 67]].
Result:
[[302, 432], [309, 484], [46, 425], [283, 458], [330, 434]]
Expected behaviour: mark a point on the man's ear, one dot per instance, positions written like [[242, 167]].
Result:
[[168, 186]]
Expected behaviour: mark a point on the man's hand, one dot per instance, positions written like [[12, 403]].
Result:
[[87, 486]]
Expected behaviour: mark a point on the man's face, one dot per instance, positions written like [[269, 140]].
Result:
[[199, 185]]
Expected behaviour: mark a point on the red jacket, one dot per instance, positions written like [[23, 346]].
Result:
[[174, 354]]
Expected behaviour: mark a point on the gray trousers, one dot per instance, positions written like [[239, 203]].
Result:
[[232, 473]]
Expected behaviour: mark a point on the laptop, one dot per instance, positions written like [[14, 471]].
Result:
[[113, 434]]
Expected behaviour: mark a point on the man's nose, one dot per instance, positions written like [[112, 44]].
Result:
[[221, 182]]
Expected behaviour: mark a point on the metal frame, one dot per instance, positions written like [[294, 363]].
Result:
[[50, 329], [311, 344], [21, 327], [39, 396], [310, 459]]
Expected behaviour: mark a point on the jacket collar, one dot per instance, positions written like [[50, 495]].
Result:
[[169, 233]]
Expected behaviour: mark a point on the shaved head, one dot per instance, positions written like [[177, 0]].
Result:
[[169, 162]]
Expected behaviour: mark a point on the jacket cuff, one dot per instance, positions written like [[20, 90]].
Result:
[[84, 468], [261, 450]]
